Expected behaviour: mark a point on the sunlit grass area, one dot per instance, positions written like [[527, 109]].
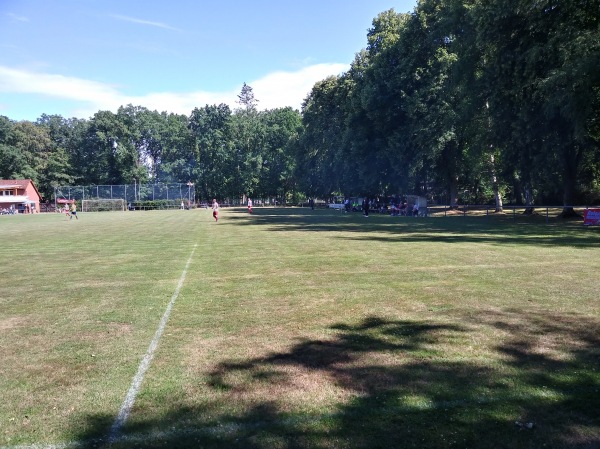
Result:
[[300, 329]]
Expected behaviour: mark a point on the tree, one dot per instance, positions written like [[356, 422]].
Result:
[[172, 149], [32, 150], [13, 163], [104, 157], [246, 98], [319, 148], [137, 144], [247, 135], [543, 78], [378, 114], [210, 128], [282, 127], [59, 170]]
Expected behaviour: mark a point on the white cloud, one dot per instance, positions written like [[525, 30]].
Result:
[[277, 89], [69, 88], [143, 22], [17, 17]]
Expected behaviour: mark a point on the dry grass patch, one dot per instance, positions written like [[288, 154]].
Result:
[[13, 322]]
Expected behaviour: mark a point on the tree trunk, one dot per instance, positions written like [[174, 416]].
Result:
[[453, 192], [568, 197], [571, 157], [529, 209], [492, 165], [518, 192], [494, 179]]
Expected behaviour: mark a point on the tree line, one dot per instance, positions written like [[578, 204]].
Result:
[[479, 101], [224, 153]]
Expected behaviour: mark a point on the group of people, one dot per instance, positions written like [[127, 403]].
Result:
[[215, 208], [396, 208], [23, 209], [403, 209], [350, 207], [71, 211]]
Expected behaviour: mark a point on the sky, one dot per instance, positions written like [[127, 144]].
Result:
[[76, 57]]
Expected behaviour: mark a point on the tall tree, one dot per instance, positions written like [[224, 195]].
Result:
[[320, 143], [137, 142], [542, 80], [105, 156], [33, 149], [282, 127], [210, 127], [172, 149], [13, 163], [246, 98], [247, 133], [59, 170]]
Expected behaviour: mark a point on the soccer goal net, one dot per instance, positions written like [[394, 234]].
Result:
[[103, 205]]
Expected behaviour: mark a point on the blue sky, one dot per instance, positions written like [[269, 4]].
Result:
[[75, 57]]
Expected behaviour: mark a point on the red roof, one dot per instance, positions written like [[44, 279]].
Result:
[[11, 182], [21, 183]]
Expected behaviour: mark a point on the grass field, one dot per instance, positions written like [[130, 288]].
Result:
[[299, 329]]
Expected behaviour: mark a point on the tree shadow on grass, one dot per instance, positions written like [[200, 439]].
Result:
[[503, 230], [398, 384]]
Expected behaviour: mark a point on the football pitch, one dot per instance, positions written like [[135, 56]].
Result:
[[292, 328]]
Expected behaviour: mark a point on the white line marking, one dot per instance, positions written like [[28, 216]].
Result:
[[139, 377]]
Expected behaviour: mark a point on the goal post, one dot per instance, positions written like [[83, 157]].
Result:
[[103, 205]]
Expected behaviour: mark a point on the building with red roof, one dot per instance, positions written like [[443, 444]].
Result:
[[19, 195]]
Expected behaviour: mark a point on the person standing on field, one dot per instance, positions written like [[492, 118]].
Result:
[[416, 209], [249, 205], [74, 211], [215, 209]]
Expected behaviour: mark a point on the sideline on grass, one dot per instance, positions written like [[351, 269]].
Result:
[[139, 377]]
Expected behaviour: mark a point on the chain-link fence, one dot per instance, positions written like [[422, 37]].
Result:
[[131, 193]]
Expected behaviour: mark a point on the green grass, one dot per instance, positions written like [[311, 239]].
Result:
[[300, 329]]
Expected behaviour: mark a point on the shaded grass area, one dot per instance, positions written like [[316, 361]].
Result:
[[300, 329], [418, 401]]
